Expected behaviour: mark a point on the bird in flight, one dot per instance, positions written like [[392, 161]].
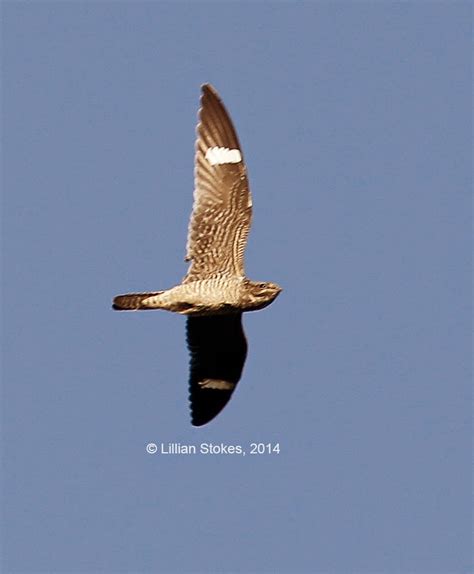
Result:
[[215, 292]]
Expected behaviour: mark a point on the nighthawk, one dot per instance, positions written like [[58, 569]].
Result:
[[215, 292]]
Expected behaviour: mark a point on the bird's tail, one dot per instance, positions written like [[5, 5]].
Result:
[[132, 301]]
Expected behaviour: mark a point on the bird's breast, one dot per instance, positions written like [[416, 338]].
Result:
[[206, 297]]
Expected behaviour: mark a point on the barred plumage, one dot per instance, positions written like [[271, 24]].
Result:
[[215, 291]]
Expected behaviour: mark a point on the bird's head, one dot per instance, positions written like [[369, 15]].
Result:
[[261, 294]]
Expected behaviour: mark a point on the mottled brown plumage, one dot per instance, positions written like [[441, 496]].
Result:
[[215, 291]]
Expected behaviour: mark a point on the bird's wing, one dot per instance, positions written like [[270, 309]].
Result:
[[218, 350], [222, 209]]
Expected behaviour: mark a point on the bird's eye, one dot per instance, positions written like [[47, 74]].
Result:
[[262, 285]]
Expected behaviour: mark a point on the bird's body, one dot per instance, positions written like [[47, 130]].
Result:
[[215, 291], [215, 296]]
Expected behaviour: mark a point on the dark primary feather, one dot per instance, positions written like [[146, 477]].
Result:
[[218, 350], [222, 209]]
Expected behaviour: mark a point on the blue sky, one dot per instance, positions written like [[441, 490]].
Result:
[[355, 123]]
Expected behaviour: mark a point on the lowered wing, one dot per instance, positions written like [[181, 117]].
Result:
[[218, 350]]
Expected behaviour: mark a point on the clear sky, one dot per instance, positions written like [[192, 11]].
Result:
[[355, 123]]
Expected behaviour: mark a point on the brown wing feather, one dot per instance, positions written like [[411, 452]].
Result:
[[222, 209]]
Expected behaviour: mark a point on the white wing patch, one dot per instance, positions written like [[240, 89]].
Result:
[[216, 384], [220, 155]]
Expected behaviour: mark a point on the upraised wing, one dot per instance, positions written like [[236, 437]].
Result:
[[222, 209]]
